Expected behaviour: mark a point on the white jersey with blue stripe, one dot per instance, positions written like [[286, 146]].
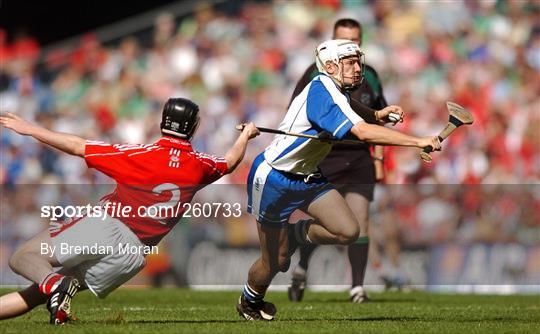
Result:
[[320, 107]]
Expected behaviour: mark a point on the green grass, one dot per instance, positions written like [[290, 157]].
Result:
[[184, 311]]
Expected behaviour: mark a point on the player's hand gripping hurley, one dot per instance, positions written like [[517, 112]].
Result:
[[458, 116]]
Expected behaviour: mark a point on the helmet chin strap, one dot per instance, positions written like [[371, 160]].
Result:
[[352, 86]]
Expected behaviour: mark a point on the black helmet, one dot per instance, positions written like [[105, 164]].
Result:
[[180, 118]]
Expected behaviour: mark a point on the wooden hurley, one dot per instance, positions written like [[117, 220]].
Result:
[[458, 116]]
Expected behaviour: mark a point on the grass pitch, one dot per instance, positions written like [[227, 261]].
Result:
[[184, 311]]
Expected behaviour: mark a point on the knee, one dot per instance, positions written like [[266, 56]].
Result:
[[15, 260], [349, 235], [364, 228]]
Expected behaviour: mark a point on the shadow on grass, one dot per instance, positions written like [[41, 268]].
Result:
[[371, 301], [159, 321], [211, 321]]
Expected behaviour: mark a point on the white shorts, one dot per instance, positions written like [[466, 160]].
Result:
[[92, 249]]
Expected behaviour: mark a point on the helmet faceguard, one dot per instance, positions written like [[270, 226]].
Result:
[[335, 51], [180, 118], [357, 81]]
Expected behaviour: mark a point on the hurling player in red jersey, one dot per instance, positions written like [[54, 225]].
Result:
[[166, 173]]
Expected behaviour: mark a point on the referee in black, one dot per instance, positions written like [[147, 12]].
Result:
[[351, 169]]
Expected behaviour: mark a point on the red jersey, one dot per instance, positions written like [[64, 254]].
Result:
[[167, 174]]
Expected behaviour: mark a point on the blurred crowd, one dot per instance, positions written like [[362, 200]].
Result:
[[241, 63]]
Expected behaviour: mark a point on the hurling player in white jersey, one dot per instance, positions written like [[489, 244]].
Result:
[[286, 177]]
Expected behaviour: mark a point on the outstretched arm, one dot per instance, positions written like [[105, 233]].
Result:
[[236, 153], [65, 142], [375, 134]]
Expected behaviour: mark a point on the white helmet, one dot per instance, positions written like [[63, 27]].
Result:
[[334, 50]]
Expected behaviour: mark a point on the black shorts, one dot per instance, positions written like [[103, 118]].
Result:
[[350, 173]]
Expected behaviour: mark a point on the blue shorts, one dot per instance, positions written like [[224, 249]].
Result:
[[273, 195]]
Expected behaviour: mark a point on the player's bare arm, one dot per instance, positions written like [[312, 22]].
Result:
[[235, 155], [375, 134], [65, 142]]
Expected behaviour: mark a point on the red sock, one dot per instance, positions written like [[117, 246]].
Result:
[[50, 282]]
